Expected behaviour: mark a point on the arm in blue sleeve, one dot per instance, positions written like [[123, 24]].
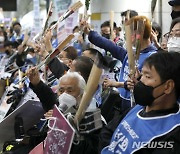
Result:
[[116, 51]]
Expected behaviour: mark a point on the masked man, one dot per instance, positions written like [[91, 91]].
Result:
[[70, 90], [152, 126]]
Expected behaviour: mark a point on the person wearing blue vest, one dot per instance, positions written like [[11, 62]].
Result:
[[121, 54], [153, 125], [17, 35]]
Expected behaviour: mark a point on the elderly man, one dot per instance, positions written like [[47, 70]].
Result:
[[173, 43], [71, 83], [71, 88]]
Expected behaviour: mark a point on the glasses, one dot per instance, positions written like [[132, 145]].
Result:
[[166, 35], [173, 33]]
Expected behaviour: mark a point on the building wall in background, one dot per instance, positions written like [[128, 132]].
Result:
[[143, 7], [100, 10]]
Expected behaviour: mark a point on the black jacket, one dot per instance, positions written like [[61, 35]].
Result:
[[57, 68]]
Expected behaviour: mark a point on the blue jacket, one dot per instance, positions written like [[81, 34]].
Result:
[[121, 54]]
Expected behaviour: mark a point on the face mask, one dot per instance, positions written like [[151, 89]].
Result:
[[144, 94], [175, 14], [106, 35], [29, 56], [17, 31], [66, 101], [76, 36], [69, 71], [1, 38], [7, 52], [174, 44], [31, 59]]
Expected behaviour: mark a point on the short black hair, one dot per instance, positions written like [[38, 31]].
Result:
[[132, 13], [52, 23], [174, 22], [157, 27], [174, 2], [76, 27], [16, 23], [83, 65], [30, 49], [167, 65], [107, 24], [93, 51], [71, 53]]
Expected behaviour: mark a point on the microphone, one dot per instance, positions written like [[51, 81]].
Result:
[[63, 107]]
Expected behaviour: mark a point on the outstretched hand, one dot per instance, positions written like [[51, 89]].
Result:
[[132, 80], [33, 76], [48, 114], [85, 26]]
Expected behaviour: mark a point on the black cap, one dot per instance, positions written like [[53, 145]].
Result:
[[174, 2]]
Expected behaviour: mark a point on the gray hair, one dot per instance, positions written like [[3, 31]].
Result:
[[82, 82]]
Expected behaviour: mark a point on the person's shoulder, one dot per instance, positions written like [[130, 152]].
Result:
[[112, 125], [175, 134]]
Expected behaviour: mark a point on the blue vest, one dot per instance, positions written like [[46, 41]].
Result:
[[125, 94], [97, 95], [54, 43], [134, 131], [16, 38]]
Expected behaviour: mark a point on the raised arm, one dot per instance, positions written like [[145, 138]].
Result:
[[116, 51], [108, 45], [47, 97]]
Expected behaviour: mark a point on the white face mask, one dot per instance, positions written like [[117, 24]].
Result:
[[76, 35], [1, 38], [174, 44], [66, 101], [29, 56], [69, 71]]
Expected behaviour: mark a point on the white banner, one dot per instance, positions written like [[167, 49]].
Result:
[[65, 28], [37, 25]]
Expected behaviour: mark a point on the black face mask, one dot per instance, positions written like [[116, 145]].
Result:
[[144, 94], [106, 35], [7, 52], [175, 14], [17, 31]]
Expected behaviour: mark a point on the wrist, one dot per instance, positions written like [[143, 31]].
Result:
[[119, 84], [125, 85], [157, 45], [35, 83], [45, 53]]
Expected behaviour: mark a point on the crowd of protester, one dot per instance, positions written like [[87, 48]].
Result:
[[139, 113]]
